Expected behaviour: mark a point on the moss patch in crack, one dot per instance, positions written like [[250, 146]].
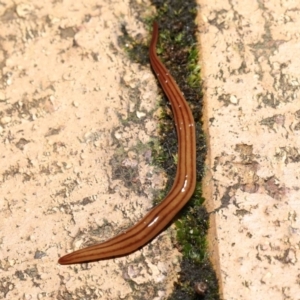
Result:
[[177, 48]]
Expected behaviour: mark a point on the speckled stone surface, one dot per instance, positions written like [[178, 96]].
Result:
[[251, 75], [76, 117]]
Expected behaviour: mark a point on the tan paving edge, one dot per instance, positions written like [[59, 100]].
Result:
[[251, 71], [75, 119]]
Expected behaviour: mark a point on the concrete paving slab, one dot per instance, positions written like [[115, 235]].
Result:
[[251, 76], [76, 118]]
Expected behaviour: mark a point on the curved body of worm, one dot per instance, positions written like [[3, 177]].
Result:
[[183, 187]]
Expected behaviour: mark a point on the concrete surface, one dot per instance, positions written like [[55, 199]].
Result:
[[70, 103], [64, 115], [251, 73]]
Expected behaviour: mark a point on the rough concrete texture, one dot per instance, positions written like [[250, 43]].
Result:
[[251, 74], [76, 117]]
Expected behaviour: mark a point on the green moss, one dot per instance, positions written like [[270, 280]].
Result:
[[177, 48], [192, 228], [194, 79]]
